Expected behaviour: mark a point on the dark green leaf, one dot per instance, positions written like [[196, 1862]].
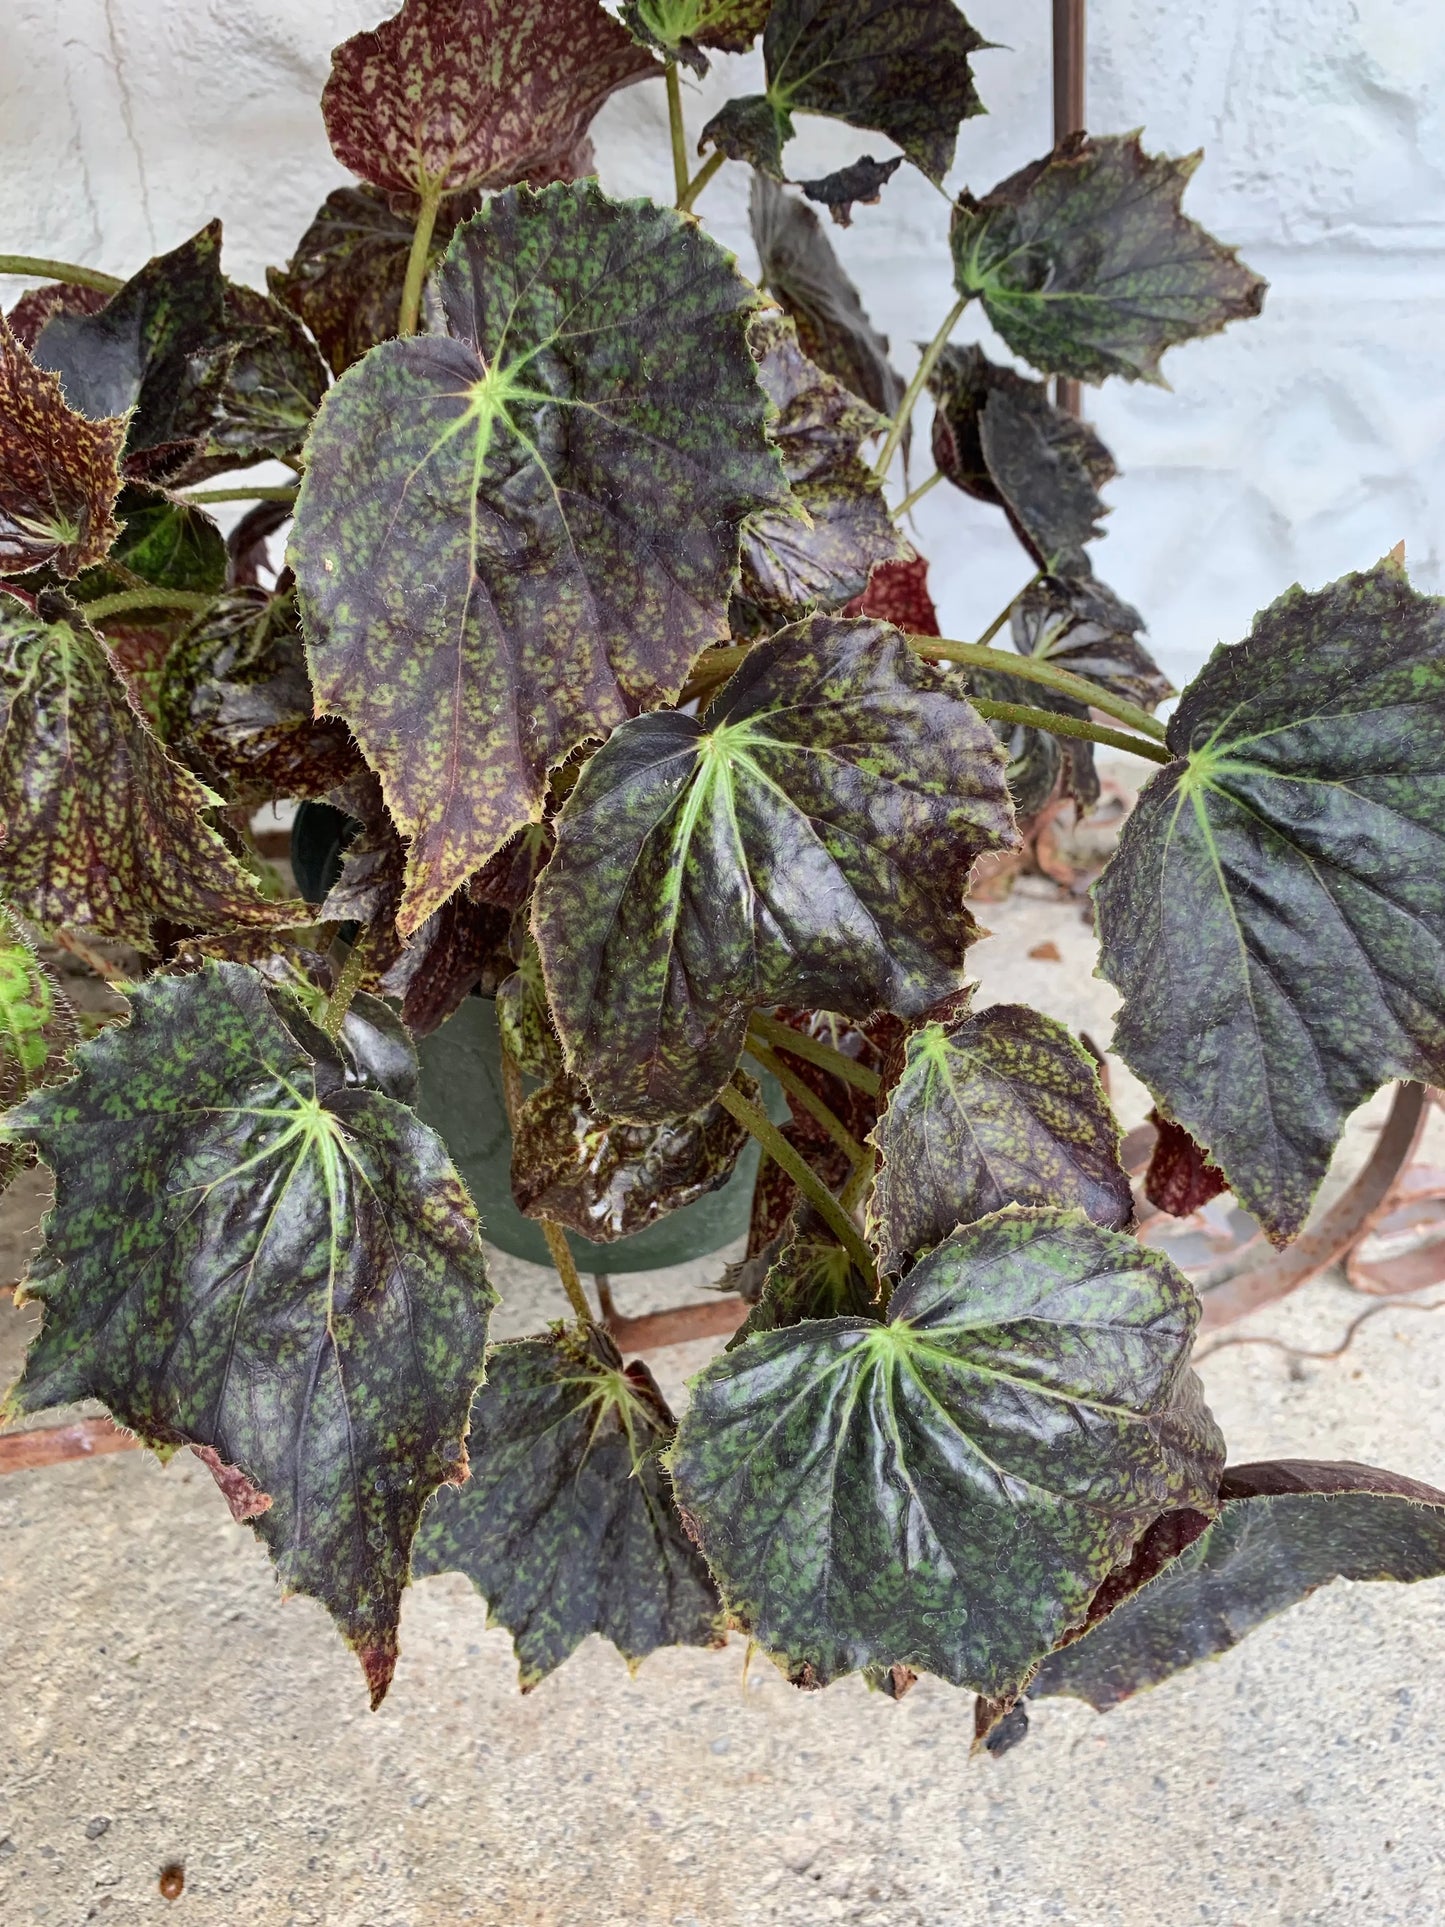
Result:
[[458, 94], [821, 559], [1086, 266], [997, 436], [379, 1049], [607, 1180], [274, 382], [1275, 912], [250, 1257], [1285, 1529], [59, 473], [37, 1030], [862, 180], [682, 28], [1004, 1108], [947, 1490], [524, 1020], [511, 538], [814, 1277], [809, 843], [799, 268], [237, 701], [97, 826], [896, 67], [1085, 628], [567, 1525]]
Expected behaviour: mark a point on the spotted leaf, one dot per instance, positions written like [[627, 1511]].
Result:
[[682, 28], [59, 471], [812, 1277], [38, 1030]]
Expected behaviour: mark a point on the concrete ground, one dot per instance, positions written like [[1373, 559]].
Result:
[[158, 1704]]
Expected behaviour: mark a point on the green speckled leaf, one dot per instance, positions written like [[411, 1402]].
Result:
[[808, 843], [1087, 267], [997, 436], [567, 1525], [1081, 625], [1275, 912], [822, 558], [1285, 1529], [1004, 1108], [682, 28], [814, 1277], [59, 473], [947, 1490], [37, 1030], [799, 269], [512, 537], [607, 1180], [523, 1019], [274, 382], [458, 94], [896, 67], [98, 827], [248, 1256]]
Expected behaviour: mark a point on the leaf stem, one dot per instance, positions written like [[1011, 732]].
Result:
[[700, 180], [257, 492], [1007, 610], [1058, 725], [125, 600], [679, 132], [426, 220], [46, 270], [346, 987], [812, 1050], [926, 363], [978, 655], [557, 1246], [916, 495], [802, 1173], [821, 1114]]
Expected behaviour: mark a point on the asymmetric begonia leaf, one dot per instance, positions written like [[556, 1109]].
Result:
[[809, 842], [1275, 912], [896, 67], [37, 1031], [947, 1490], [682, 28], [1087, 267], [1003, 1108], [813, 1277], [237, 703], [273, 384], [248, 1256], [790, 563], [1081, 625], [997, 436], [607, 1180], [98, 827], [59, 471], [595, 414], [1285, 1528], [567, 1525], [457, 94], [862, 180], [799, 269]]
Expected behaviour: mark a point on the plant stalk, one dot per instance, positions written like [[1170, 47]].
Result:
[[756, 1121], [557, 1246], [700, 180], [346, 987], [976, 655], [794, 1085], [916, 495], [679, 133], [927, 362], [1058, 725], [258, 492], [812, 1050], [45, 270], [426, 219], [124, 600]]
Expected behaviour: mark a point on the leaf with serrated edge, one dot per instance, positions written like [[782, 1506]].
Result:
[[822, 558], [800, 270], [682, 28], [896, 67], [1080, 624], [523, 1019], [512, 537], [1275, 912], [98, 827], [862, 180], [275, 378], [809, 842], [947, 1490], [1285, 1529], [456, 94], [59, 471], [567, 1525], [1004, 1108], [37, 1030], [814, 1277], [263, 1262], [1087, 267]]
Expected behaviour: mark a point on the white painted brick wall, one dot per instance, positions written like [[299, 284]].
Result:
[[1294, 447]]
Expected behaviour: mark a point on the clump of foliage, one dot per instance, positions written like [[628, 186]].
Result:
[[598, 624]]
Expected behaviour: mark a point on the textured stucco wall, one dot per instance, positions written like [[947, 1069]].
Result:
[[1293, 447]]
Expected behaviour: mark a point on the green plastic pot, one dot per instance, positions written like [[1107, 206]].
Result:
[[461, 1098]]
